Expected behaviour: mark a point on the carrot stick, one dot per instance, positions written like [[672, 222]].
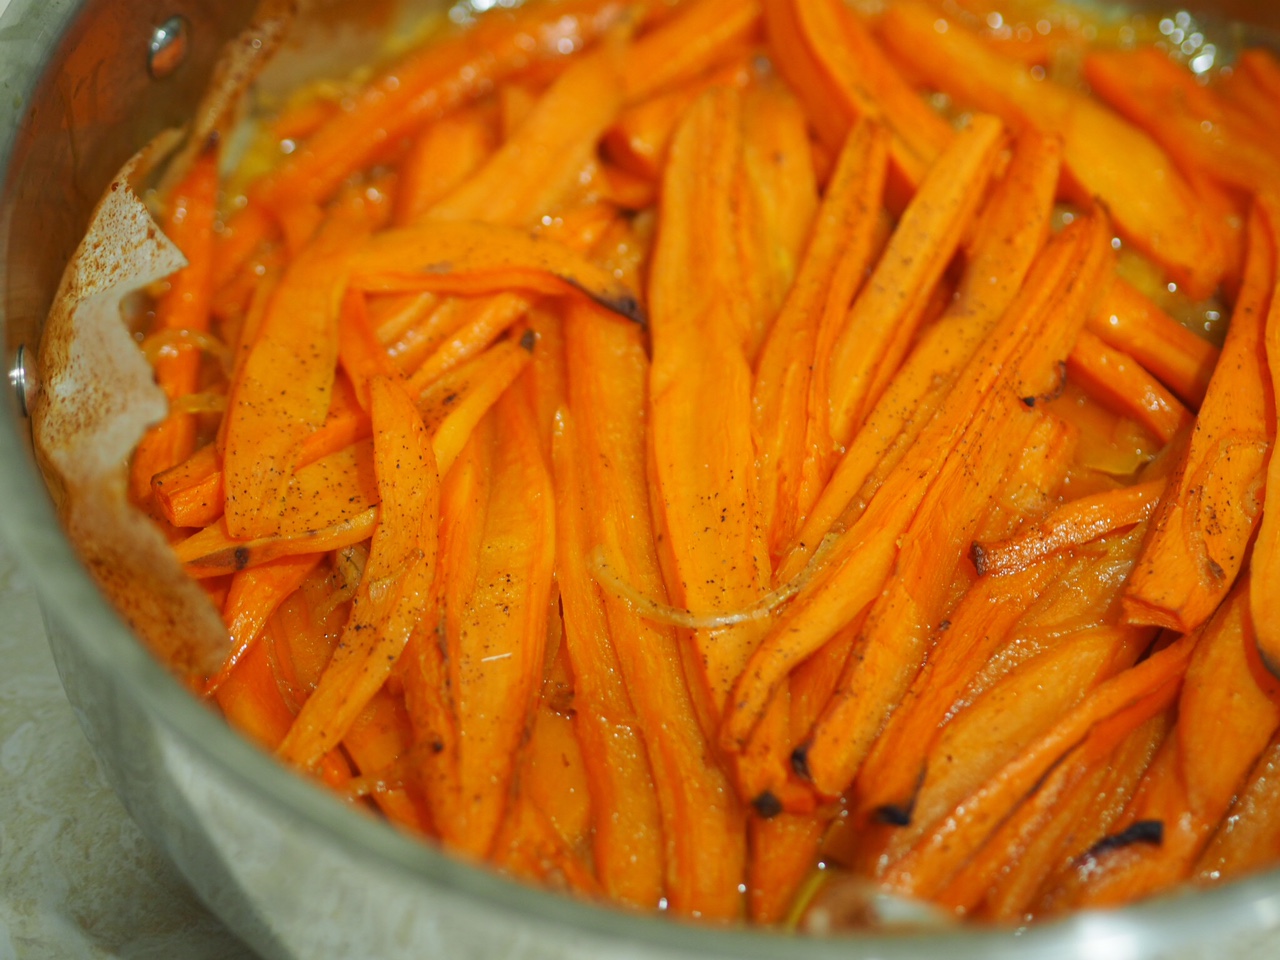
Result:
[[1127, 320], [394, 592], [495, 372], [687, 44], [838, 252], [777, 197], [359, 352], [936, 856], [1200, 532], [861, 558], [1188, 119], [282, 393], [253, 597], [868, 85], [1265, 561], [377, 740], [1123, 384], [639, 138], [1010, 234], [183, 307], [496, 634], [428, 84], [702, 820], [882, 321], [1249, 837], [442, 157], [1107, 157], [1075, 523], [250, 697], [474, 258], [534, 172], [628, 840], [784, 851]]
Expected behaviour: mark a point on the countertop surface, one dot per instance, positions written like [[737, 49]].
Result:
[[77, 878]]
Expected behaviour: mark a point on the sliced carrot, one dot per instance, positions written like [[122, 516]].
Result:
[[241, 235], [936, 856], [378, 738], [1127, 320], [628, 838], [428, 84], [1265, 561], [784, 851], [396, 590], [842, 237], [359, 352], [1010, 234], [1249, 837], [702, 819], [537, 169], [861, 559], [497, 640], [495, 371], [1075, 523], [882, 321], [1121, 382], [183, 308], [253, 597], [464, 257], [442, 156], [282, 393], [1197, 544], [1108, 158], [687, 44]]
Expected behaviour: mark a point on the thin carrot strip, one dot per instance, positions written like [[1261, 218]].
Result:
[[1204, 524], [640, 137], [842, 236], [189, 494], [1188, 119], [1127, 320], [253, 597], [790, 52], [1075, 523], [784, 850], [242, 234], [250, 697], [1123, 384], [882, 320], [628, 834], [1010, 233], [427, 85], [531, 175], [937, 855], [687, 44], [1248, 838], [183, 307], [442, 157], [394, 591], [282, 393], [463, 257], [702, 820], [852, 576], [495, 656], [1106, 156], [1265, 561], [376, 742], [359, 352]]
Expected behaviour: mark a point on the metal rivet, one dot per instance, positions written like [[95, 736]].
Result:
[[168, 48], [18, 378]]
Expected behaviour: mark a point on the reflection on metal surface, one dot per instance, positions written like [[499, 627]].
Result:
[[18, 378], [168, 47]]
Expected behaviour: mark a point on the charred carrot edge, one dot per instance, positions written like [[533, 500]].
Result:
[[1197, 544], [477, 258], [1073, 524], [1127, 320]]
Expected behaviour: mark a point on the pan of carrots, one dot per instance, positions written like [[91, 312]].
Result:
[[780, 464]]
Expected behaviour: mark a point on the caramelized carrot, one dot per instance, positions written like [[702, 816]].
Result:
[[1127, 320], [1108, 158], [395, 590], [1122, 383], [1197, 544], [183, 308], [882, 321], [476, 258]]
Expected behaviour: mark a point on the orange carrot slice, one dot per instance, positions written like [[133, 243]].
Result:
[[1123, 384]]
